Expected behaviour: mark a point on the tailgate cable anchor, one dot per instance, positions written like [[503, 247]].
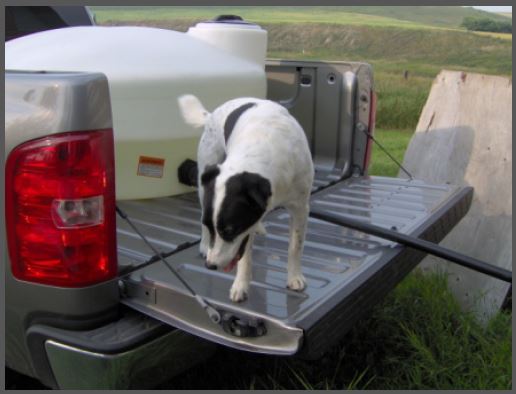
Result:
[[211, 311]]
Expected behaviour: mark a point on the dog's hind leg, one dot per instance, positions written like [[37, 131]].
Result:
[[240, 288], [298, 220]]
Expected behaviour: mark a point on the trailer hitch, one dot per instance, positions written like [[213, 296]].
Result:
[[417, 243]]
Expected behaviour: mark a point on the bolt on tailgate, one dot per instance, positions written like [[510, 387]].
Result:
[[341, 265]]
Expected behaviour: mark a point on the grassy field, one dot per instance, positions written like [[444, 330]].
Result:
[[415, 17], [254, 14], [424, 52], [395, 142], [503, 36]]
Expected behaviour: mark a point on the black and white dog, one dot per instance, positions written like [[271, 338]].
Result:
[[252, 157]]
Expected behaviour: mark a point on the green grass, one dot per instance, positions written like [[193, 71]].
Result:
[[418, 338], [504, 36], [395, 142], [412, 17], [255, 14], [398, 48], [425, 15], [436, 48], [400, 100]]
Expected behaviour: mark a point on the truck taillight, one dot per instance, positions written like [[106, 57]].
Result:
[[60, 209], [372, 120]]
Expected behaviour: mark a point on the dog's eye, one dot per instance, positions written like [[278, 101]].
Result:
[[228, 231]]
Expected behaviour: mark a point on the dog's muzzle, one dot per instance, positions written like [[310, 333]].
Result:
[[210, 266]]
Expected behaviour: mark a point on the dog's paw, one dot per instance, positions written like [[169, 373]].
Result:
[[297, 282], [203, 249], [260, 229], [238, 292]]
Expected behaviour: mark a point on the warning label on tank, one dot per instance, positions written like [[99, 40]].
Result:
[[151, 166]]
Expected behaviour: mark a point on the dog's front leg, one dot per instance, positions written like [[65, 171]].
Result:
[[298, 218], [240, 288], [260, 229], [205, 241], [205, 234]]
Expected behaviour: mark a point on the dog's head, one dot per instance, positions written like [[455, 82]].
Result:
[[233, 206]]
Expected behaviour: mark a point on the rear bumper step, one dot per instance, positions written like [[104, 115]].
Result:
[[133, 351], [347, 271]]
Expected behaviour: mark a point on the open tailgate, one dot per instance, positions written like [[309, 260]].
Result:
[[347, 271]]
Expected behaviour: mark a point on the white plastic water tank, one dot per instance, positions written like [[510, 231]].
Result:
[[147, 69], [234, 35]]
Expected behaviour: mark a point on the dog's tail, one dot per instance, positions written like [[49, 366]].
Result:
[[192, 110]]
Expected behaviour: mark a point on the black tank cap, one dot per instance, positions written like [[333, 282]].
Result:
[[221, 18], [231, 19]]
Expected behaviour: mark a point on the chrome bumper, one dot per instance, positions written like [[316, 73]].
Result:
[[145, 366]]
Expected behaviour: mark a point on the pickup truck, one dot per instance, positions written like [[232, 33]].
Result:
[[90, 305]]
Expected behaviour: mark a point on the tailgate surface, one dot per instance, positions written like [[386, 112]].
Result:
[[338, 262]]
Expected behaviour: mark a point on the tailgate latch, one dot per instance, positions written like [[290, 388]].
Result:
[[243, 327]]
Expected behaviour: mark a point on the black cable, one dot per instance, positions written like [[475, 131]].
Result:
[[212, 312], [416, 243], [369, 135]]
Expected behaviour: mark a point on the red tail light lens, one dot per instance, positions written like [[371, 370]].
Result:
[[372, 120], [60, 209]]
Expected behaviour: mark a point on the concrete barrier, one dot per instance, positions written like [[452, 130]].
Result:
[[464, 136]]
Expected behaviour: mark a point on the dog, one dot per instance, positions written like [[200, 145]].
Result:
[[253, 156]]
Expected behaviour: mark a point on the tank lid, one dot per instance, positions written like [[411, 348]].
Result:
[[229, 20]]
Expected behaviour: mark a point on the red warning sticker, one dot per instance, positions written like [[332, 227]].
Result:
[[151, 166]]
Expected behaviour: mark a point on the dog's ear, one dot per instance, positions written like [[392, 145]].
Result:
[[257, 188], [210, 173]]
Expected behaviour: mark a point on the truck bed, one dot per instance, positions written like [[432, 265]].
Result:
[[347, 271]]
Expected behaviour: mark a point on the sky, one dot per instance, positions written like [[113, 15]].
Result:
[[493, 8]]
